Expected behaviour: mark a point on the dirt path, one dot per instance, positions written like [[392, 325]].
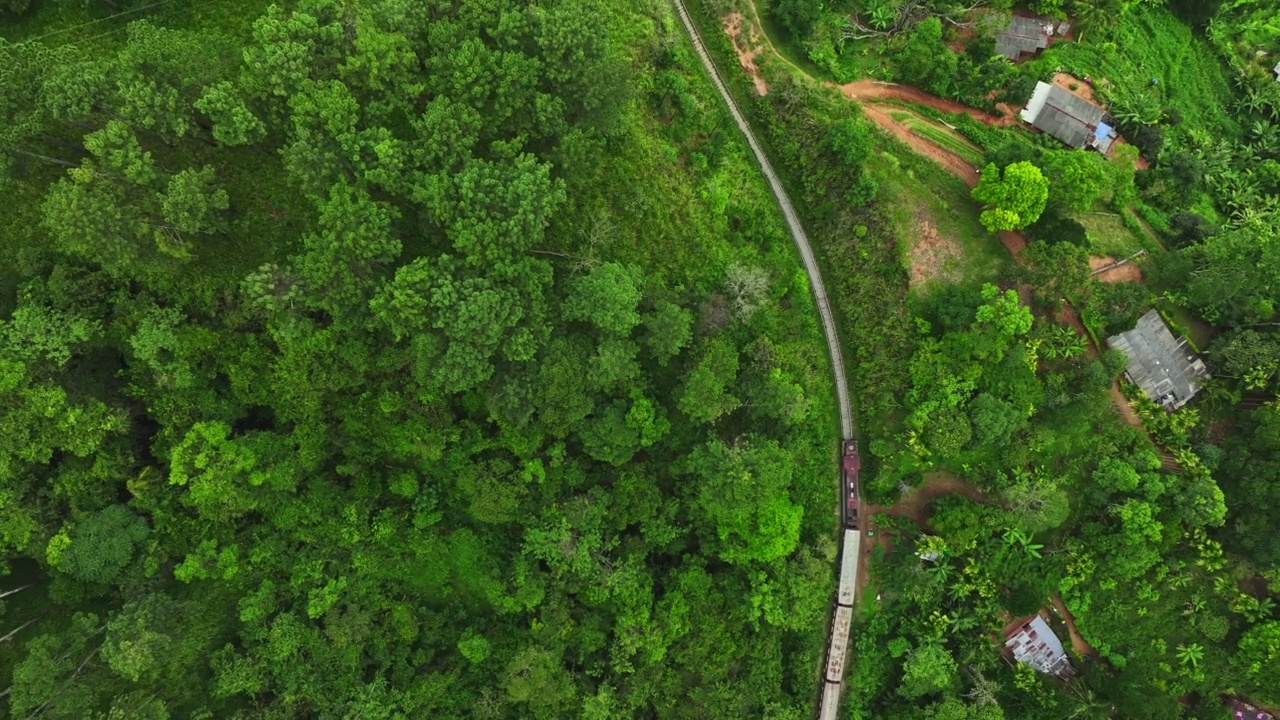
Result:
[[952, 162], [1077, 640], [1123, 407], [1067, 316], [915, 507], [747, 49], [863, 90], [1146, 227], [1128, 272]]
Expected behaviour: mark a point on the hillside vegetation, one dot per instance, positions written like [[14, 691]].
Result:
[[399, 359], [451, 359]]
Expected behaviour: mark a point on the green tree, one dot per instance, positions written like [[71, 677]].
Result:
[[852, 140], [536, 679], [1038, 505], [45, 680], [100, 547], [995, 421], [37, 332], [947, 433], [925, 61], [233, 121], [118, 153], [928, 670], [743, 494], [192, 202], [1013, 199], [607, 297], [139, 639], [1076, 179], [1258, 660], [797, 16], [705, 396], [668, 330], [1057, 271]]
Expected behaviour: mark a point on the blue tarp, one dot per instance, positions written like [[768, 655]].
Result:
[[1103, 132]]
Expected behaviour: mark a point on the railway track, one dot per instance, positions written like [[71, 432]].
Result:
[[833, 672]]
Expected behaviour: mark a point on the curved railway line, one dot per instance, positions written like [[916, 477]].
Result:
[[850, 503]]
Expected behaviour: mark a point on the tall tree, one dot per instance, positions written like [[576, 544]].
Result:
[[1014, 198]]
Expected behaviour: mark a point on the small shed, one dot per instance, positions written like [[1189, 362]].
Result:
[[1034, 644], [1070, 118], [1024, 35], [1164, 366]]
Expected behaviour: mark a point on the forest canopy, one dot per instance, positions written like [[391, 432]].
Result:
[[354, 365], [427, 358]]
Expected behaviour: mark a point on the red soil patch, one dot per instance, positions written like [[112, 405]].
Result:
[[914, 506], [936, 484], [875, 90], [748, 50], [932, 255], [1082, 89], [1129, 272], [1014, 242]]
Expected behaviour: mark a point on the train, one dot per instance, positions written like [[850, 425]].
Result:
[[833, 679]]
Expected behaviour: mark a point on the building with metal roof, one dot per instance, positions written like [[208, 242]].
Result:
[[1034, 644], [1164, 366], [1070, 118], [1024, 35]]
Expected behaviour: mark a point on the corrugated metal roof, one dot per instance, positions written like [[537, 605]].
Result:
[[1165, 367], [1068, 117], [1023, 35]]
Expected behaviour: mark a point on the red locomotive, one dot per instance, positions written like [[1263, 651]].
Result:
[[851, 464]]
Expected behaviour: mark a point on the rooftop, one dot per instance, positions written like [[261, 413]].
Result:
[[1034, 644], [1164, 366], [1024, 35], [1068, 117]]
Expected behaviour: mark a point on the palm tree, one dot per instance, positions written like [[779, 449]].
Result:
[[1091, 707], [1191, 655]]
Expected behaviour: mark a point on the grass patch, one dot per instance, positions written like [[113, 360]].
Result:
[[1188, 325], [914, 188], [1154, 44], [1109, 235], [939, 135], [779, 38]]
